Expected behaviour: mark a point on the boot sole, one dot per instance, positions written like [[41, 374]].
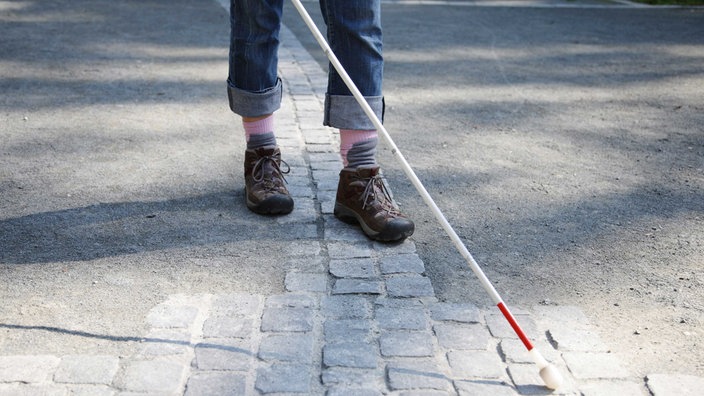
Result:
[[391, 234]]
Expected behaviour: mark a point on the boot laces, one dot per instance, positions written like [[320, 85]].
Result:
[[376, 192], [258, 171]]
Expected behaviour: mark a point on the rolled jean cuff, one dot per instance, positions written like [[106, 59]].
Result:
[[343, 112], [254, 104]]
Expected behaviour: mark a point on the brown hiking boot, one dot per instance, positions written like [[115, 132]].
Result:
[[265, 188], [363, 198]]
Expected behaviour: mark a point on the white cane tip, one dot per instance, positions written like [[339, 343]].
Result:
[[551, 377]]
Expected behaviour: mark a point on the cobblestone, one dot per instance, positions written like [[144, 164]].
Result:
[[87, 369], [476, 364], [409, 286], [284, 377], [406, 344], [216, 383], [29, 369], [158, 375], [462, 336], [353, 268], [289, 347], [350, 354], [464, 313], [419, 374], [357, 286]]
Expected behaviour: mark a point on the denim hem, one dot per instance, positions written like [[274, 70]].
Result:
[[254, 104], [343, 112]]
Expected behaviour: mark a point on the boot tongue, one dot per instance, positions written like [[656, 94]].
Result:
[[265, 151], [367, 171]]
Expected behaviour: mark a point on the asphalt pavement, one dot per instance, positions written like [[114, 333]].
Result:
[[129, 263]]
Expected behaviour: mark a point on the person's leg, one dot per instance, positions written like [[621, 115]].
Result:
[[354, 33], [254, 93]]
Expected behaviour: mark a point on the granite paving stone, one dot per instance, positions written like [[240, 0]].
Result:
[[224, 354], [412, 285], [402, 263], [222, 383], [29, 368], [351, 354], [406, 343], [417, 374], [87, 369], [158, 375], [290, 347], [476, 364], [462, 336], [284, 378], [456, 312], [357, 286]]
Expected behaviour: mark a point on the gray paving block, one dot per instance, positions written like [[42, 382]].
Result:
[[406, 344], [347, 330], [462, 336], [412, 285], [27, 368], [418, 374], [351, 354], [456, 312], [224, 354], [391, 318], [348, 376], [284, 378], [216, 383], [345, 307], [290, 347], [352, 391], [158, 375], [476, 364], [291, 300], [402, 263], [228, 327], [22, 389], [588, 365], [675, 384], [484, 387], [357, 286], [344, 250], [353, 268], [287, 319], [87, 369], [310, 282]]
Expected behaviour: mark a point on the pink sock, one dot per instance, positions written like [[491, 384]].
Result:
[[348, 137], [265, 125]]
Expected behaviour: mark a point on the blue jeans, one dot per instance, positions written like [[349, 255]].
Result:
[[354, 34]]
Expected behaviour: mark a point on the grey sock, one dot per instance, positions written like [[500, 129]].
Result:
[[362, 153], [261, 140]]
